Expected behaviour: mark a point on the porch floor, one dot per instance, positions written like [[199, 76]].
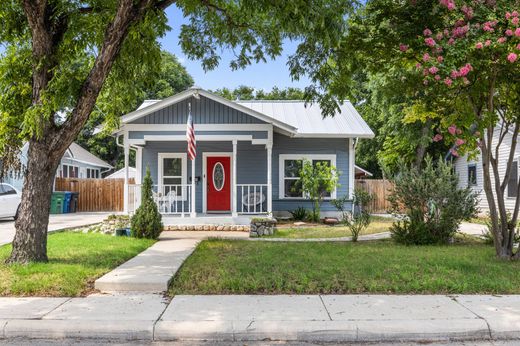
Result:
[[207, 219]]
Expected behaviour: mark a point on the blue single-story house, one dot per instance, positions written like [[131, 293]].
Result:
[[248, 153], [77, 162]]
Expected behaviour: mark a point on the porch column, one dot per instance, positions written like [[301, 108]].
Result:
[[234, 174], [139, 166], [269, 179], [352, 162], [127, 155], [193, 191]]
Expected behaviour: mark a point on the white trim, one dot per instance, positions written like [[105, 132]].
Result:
[[126, 193], [205, 155], [269, 149], [234, 180], [333, 135], [162, 138], [139, 166], [310, 157], [68, 165], [200, 127], [362, 170], [184, 170]]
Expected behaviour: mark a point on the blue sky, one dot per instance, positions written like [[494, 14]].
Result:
[[261, 76]]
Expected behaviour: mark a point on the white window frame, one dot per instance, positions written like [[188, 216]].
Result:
[[184, 171], [89, 171], [310, 157], [68, 165]]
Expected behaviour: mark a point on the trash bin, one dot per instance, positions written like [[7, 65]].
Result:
[[57, 200], [66, 202], [74, 202]]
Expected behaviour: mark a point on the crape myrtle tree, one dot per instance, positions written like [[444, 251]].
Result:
[[63, 58], [468, 61]]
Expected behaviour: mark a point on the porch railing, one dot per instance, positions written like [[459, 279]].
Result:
[[170, 199], [252, 198]]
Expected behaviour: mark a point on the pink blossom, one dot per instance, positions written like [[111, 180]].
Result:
[[512, 57], [440, 58], [517, 32], [488, 43], [459, 142], [452, 130], [439, 36], [489, 26], [508, 15], [502, 40], [448, 3], [426, 57], [437, 138], [454, 152], [446, 32], [514, 13], [448, 81], [427, 32], [515, 21], [464, 70], [451, 41], [433, 70], [518, 46], [460, 31], [454, 74], [430, 42], [437, 77], [479, 45], [403, 47], [468, 12], [418, 66], [509, 32]]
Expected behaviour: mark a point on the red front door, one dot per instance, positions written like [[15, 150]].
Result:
[[218, 181]]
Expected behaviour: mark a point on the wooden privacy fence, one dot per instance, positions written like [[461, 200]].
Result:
[[95, 194], [380, 190]]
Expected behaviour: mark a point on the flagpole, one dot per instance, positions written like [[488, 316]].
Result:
[[193, 211]]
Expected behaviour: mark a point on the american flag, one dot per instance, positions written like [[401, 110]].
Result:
[[190, 135]]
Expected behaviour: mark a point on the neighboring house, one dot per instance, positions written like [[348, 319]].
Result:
[[120, 174], [362, 173], [75, 163], [470, 172], [248, 152]]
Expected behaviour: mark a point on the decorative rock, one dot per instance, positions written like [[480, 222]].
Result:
[[330, 221], [261, 227], [220, 228]]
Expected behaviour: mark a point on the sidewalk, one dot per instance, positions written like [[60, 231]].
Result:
[[56, 222], [305, 318]]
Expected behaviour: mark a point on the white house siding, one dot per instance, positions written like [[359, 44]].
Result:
[[461, 167]]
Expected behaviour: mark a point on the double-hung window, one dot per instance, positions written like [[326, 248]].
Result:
[[92, 173], [69, 171], [172, 175], [512, 184], [290, 167]]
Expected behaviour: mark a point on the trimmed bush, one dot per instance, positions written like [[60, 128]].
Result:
[[432, 203], [147, 221]]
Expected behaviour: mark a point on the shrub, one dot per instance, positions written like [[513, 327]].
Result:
[[300, 214], [316, 181], [147, 221], [358, 220], [433, 204]]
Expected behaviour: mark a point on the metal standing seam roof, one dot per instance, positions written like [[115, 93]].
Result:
[[309, 121]]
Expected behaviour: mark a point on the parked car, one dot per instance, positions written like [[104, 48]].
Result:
[[10, 199]]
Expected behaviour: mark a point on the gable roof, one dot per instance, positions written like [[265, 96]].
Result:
[[77, 153], [294, 117]]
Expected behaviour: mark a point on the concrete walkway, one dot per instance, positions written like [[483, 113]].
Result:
[[56, 222], [305, 318], [152, 270]]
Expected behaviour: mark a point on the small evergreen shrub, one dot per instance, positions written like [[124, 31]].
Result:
[[432, 203], [300, 214], [358, 220], [147, 221]]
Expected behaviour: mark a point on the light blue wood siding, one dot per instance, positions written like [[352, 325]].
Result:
[[252, 163], [203, 111]]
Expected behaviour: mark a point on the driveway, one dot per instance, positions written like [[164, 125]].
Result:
[[56, 222]]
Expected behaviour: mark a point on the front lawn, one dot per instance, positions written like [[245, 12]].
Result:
[[75, 261], [244, 267], [378, 225]]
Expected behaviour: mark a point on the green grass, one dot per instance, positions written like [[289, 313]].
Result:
[[378, 225], [242, 267], [75, 261]]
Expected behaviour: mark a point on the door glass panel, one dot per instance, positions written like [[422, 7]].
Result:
[[218, 176], [172, 167]]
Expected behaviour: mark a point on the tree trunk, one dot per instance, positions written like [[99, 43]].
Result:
[[420, 151], [30, 241]]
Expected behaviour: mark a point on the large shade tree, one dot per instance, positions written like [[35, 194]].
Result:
[[64, 57]]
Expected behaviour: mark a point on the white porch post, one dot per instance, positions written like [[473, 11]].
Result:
[[352, 162], [139, 166], [234, 174], [269, 179], [192, 200], [127, 154]]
